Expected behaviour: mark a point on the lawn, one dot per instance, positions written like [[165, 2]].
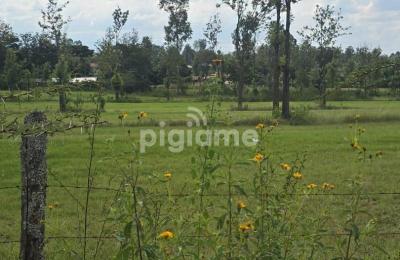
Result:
[[325, 141]]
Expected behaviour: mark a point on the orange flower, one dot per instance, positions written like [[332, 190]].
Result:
[[298, 175], [166, 235], [123, 115], [312, 186], [168, 175], [246, 227], [286, 166], [327, 186], [53, 206], [241, 205], [142, 115], [260, 126], [258, 158]]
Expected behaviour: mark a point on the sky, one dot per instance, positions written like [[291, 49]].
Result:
[[374, 23]]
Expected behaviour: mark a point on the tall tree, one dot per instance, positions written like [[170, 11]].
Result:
[[63, 73], [177, 32], [286, 70], [247, 23], [52, 24], [7, 40], [277, 47], [108, 59], [53, 21], [212, 30], [326, 30], [12, 70], [119, 18]]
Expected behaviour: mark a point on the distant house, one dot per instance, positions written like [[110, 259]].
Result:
[[83, 79]]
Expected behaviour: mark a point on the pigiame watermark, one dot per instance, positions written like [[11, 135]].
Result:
[[178, 139]]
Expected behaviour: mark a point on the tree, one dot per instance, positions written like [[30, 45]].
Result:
[[177, 32], [7, 40], [35, 50], [11, 70], [213, 29], [118, 85], [188, 54], [277, 65], [202, 59], [119, 18], [247, 23], [326, 31], [286, 70], [53, 21], [63, 74], [52, 25], [108, 58]]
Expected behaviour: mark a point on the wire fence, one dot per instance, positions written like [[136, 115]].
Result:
[[26, 187], [115, 189], [183, 195]]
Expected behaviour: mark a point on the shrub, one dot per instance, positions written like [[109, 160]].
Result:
[[300, 115]]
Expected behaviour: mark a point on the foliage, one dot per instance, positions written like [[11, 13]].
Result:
[[53, 21], [120, 18], [325, 32], [213, 29]]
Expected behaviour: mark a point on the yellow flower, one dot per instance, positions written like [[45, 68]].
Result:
[[168, 175], [142, 115], [246, 227], [312, 186], [260, 126], [275, 123], [298, 175], [258, 158], [356, 145], [166, 235], [123, 115], [286, 166], [53, 206], [241, 205], [327, 186]]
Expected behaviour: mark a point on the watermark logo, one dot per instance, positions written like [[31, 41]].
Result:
[[197, 117], [196, 133]]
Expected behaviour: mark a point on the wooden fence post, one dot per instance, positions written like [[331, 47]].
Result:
[[33, 189]]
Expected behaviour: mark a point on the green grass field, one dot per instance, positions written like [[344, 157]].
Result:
[[325, 140]]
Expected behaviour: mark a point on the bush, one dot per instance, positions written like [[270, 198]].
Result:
[[300, 116]]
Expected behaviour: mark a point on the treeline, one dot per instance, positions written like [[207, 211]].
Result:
[[125, 63]]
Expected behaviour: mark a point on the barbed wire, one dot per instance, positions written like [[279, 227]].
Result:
[[327, 193], [328, 234]]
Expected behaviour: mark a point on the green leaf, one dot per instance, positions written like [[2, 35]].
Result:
[[356, 232], [240, 190], [221, 221], [128, 230]]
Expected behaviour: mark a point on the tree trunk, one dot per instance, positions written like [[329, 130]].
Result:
[[322, 93], [240, 95], [286, 76], [275, 102], [117, 96], [239, 63], [63, 101], [168, 85]]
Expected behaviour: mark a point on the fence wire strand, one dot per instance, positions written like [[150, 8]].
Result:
[[111, 189]]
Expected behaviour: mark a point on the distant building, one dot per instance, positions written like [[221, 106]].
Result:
[[83, 79]]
